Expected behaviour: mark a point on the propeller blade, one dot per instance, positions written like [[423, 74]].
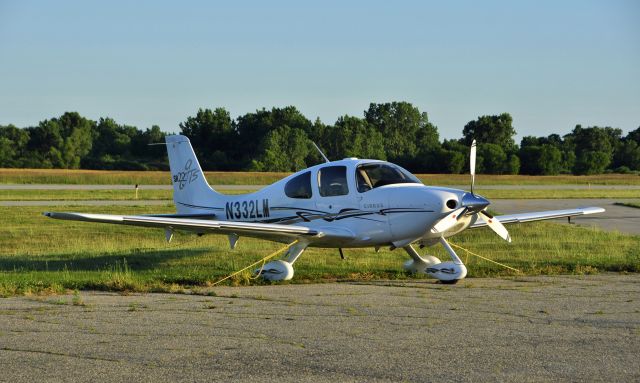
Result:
[[472, 164], [496, 226], [449, 221]]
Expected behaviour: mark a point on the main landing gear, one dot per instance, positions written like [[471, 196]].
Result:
[[448, 272], [282, 270]]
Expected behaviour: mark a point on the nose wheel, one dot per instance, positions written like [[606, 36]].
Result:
[[448, 272]]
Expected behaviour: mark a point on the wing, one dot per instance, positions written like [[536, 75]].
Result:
[[275, 232], [541, 215]]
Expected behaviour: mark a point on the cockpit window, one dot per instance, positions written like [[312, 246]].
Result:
[[332, 181], [299, 186], [371, 176]]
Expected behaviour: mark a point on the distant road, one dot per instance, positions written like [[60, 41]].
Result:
[[620, 218], [257, 187]]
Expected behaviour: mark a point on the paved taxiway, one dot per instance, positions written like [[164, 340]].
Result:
[[565, 328], [621, 218]]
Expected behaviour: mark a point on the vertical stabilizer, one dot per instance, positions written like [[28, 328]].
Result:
[[191, 192]]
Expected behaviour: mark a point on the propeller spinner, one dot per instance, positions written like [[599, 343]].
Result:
[[472, 204]]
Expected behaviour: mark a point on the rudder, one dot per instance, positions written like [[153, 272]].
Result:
[[191, 191]]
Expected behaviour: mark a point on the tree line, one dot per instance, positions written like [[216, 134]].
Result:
[[280, 139]]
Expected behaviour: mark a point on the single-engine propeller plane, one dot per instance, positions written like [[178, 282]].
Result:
[[338, 204]]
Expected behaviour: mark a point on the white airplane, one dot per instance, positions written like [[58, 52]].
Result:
[[339, 204]]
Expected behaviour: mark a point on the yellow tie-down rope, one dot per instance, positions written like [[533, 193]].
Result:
[[263, 260], [486, 259]]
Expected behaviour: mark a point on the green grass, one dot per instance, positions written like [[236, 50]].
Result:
[[119, 195], [84, 195], [103, 177], [629, 204], [41, 256]]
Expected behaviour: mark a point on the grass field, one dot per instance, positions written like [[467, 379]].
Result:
[[89, 177], [106, 177], [40, 255], [115, 195], [101, 195]]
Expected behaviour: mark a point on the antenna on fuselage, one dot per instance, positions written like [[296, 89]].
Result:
[[320, 151]]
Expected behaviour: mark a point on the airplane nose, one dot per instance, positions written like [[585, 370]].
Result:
[[474, 203]]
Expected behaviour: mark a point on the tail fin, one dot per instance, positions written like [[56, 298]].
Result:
[[191, 192]]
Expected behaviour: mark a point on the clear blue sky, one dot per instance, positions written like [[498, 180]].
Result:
[[551, 64]]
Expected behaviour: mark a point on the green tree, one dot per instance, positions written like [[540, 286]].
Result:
[[353, 137], [76, 133], [145, 145], [45, 139], [283, 150], [109, 138], [406, 131], [13, 146], [628, 155], [253, 128], [592, 162], [214, 138], [550, 161], [634, 135], [494, 158], [496, 130], [450, 162], [512, 166], [452, 157], [593, 149], [61, 142], [529, 141], [320, 135], [545, 159]]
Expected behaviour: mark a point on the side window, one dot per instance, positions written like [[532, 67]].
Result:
[[299, 187], [363, 181], [332, 181]]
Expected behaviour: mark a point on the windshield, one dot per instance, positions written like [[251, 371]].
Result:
[[371, 176]]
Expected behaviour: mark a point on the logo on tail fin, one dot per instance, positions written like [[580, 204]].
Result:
[[187, 176]]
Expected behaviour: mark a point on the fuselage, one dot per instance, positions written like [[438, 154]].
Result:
[[379, 203]]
